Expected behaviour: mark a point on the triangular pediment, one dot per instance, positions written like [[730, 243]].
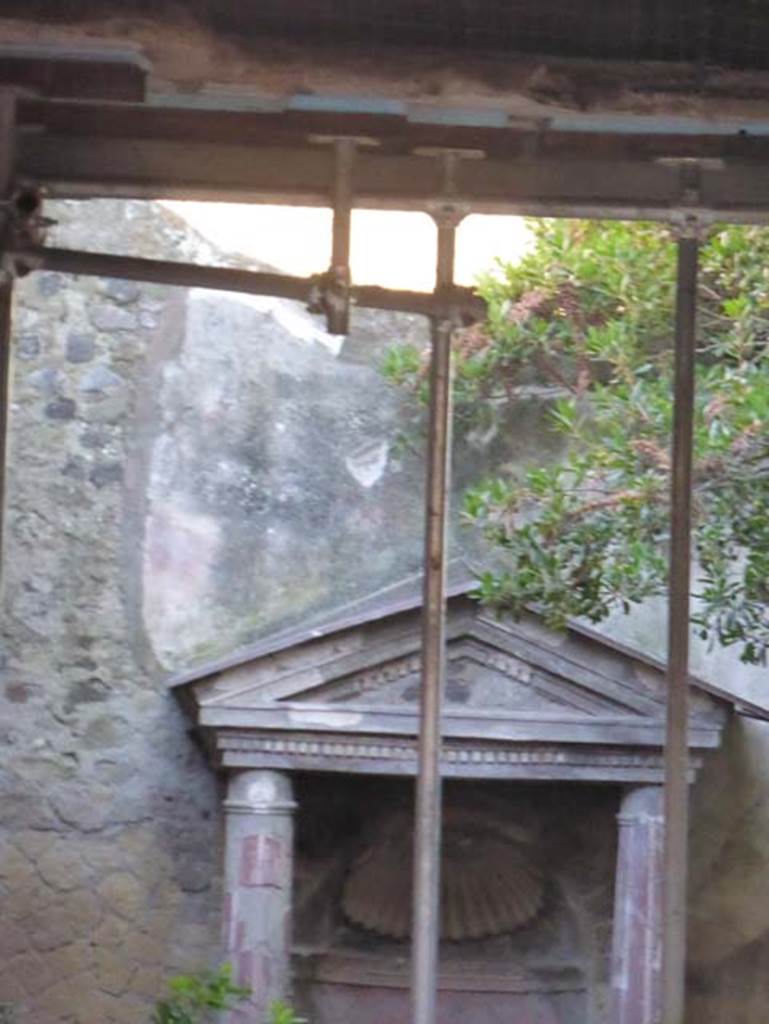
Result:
[[478, 675], [521, 702], [491, 667]]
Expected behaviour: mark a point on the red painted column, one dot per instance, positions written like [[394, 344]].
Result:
[[258, 879], [637, 938]]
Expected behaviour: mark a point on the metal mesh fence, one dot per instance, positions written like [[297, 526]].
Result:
[[732, 33], [725, 33], [720, 33]]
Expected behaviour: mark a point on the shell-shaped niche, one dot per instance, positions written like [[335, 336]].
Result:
[[490, 883]]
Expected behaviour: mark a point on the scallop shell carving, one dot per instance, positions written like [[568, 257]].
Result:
[[489, 883]]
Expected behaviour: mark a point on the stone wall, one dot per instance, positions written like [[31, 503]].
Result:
[[187, 472], [110, 828]]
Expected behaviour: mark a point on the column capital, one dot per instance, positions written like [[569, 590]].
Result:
[[641, 802], [260, 791]]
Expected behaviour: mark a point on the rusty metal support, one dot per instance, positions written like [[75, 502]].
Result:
[[133, 150], [50, 71], [190, 275], [183, 275], [676, 736], [427, 828], [338, 291], [7, 169]]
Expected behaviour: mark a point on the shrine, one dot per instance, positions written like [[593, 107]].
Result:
[[551, 880]]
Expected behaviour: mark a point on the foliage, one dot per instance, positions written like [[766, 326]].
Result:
[[282, 1014], [585, 320], [193, 997]]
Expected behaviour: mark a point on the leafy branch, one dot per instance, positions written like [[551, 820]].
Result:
[[193, 997], [586, 319]]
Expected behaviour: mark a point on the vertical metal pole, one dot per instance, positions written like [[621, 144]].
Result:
[[676, 739], [427, 831], [339, 305], [7, 164]]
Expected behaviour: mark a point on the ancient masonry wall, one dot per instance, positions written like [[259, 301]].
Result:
[[147, 527], [187, 472], [109, 819]]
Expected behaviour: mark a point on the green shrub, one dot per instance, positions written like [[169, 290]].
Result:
[[585, 320], [282, 1014], [192, 997]]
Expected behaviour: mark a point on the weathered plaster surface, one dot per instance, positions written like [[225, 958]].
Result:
[[187, 472], [276, 486]]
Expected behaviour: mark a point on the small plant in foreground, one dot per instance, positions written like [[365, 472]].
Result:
[[192, 997], [282, 1014]]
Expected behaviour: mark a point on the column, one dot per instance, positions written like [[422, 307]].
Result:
[[258, 879], [637, 937]]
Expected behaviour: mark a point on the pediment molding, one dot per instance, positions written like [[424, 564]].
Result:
[[397, 757], [521, 702]]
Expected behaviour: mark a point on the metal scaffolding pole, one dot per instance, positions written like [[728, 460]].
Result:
[[676, 739], [7, 165], [338, 301], [251, 282], [427, 827]]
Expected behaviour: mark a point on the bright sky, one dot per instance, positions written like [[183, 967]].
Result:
[[395, 250]]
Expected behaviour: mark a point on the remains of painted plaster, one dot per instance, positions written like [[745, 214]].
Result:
[[258, 882]]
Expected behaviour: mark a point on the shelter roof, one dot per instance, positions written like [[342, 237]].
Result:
[[406, 596]]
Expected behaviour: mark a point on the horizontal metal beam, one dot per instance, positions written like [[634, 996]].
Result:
[[74, 74], [190, 275], [151, 169], [394, 133], [132, 151]]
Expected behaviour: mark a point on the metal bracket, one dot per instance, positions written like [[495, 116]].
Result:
[[447, 209], [447, 213], [691, 219], [330, 293], [23, 227], [74, 74], [690, 224]]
